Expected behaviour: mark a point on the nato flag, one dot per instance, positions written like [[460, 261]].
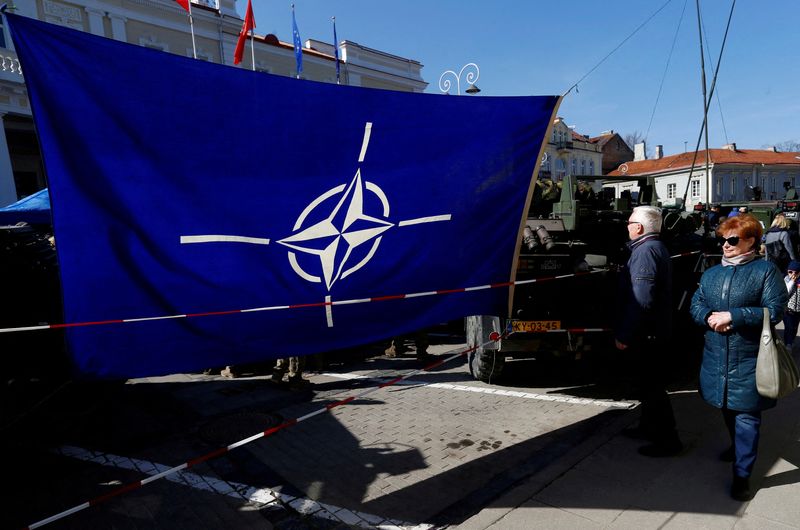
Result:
[[173, 199]]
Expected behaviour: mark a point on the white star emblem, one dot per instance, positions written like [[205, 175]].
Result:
[[335, 238]]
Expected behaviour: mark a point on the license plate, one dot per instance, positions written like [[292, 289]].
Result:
[[534, 326]]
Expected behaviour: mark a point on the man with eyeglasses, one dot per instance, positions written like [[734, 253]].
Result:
[[643, 328]]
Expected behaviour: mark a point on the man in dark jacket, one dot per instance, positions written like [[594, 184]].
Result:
[[712, 219], [644, 326]]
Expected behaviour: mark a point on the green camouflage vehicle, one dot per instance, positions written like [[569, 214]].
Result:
[[572, 244]]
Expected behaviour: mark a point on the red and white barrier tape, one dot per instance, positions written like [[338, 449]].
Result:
[[494, 337], [693, 252], [297, 306], [326, 303]]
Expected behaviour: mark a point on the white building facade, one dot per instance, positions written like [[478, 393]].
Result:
[[733, 174], [163, 25], [569, 153]]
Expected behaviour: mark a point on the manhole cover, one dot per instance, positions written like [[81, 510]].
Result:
[[234, 427]]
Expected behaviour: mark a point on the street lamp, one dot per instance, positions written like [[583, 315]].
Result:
[[473, 72]]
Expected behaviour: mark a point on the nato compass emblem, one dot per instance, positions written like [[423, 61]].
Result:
[[344, 240]]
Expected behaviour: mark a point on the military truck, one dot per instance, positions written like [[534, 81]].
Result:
[[578, 234], [763, 210]]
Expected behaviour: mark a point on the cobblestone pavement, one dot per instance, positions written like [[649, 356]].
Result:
[[428, 452]]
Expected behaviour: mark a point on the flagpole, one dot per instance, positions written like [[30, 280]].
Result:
[[252, 48], [191, 28], [336, 49]]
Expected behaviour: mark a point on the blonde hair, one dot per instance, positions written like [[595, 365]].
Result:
[[780, 221]]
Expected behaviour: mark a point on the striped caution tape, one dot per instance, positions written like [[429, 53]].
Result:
[[326, 303], [494, 337], [682, 254]]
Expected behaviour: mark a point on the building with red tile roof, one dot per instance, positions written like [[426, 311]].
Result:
[[615, 150], [733, 174]]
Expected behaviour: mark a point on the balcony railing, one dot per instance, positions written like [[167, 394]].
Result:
[[563, 145], [208, 3], [10, 63]]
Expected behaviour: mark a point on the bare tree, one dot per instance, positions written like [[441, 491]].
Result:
[[636, 137], [787, 146]]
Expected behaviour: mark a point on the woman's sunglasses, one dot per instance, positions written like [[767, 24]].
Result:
[[732, 241]]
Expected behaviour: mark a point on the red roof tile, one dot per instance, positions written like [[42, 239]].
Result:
[[716, 156]]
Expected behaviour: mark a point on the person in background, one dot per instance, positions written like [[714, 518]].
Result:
[[729, 303], [294, 366], [397, 346], [791, 318], [712, 218], [778, 243], [738, 211], [644, 325]]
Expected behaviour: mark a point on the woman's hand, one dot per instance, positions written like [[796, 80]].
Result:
[[720, 321]]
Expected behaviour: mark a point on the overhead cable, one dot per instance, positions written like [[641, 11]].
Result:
[[664, 76], [711, 94], [719, 104], [634, 32]]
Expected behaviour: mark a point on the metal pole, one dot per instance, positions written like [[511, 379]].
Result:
[[191, 28], [705, 100], [252, 49]]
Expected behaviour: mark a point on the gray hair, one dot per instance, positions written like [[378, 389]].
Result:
[[649, 216]]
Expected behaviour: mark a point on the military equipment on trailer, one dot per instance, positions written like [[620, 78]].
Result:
[[572, 242]]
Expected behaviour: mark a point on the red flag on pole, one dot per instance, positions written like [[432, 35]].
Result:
[[249, 24], [184, 4]]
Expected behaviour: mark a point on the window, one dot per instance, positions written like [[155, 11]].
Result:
[[733, 187], [695, 188], [591, 167], [561, 168], [152, 42], [583, 166], [2, 34], [574, 167], [671, 189], [718, 191]]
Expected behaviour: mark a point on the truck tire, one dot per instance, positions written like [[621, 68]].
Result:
[[487, 366]]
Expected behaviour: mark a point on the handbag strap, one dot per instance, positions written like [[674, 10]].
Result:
[[765, 327]]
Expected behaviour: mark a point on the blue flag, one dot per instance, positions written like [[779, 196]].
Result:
[[298, 45], [336, 50], [167, 202]]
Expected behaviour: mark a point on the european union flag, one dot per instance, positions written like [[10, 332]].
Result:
[[298, 45], [166, 201], [336, 49]]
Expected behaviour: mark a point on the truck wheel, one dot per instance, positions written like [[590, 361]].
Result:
[[487, 366]]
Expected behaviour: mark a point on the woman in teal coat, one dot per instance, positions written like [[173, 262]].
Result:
[[729, 304]]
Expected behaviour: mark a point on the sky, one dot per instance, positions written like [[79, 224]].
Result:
[[536, 47]]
